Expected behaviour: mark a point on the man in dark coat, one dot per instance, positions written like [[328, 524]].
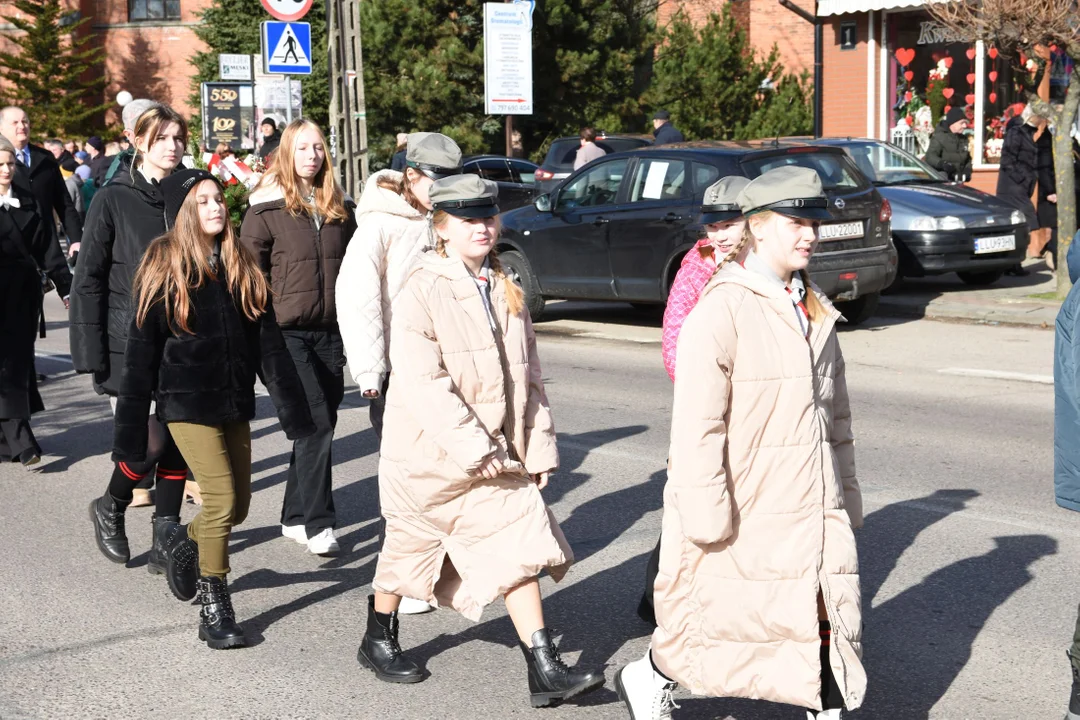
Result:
[[397, 162], [39, 173], [948, 151], [271, 139], [664, 131], [99, 163]]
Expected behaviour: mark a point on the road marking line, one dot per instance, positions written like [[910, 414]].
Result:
[[53, 356], [999, 375]]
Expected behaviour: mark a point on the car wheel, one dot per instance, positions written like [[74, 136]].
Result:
[[860, 309], [986, 277], [517, 269]]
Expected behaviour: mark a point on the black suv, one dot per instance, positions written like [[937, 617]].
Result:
[[618, 228], [559, 161]]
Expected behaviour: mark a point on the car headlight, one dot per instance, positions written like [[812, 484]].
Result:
[[926, 223], [1017, 218]]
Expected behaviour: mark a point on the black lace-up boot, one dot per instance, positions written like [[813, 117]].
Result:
[[217, 626], [182, 567], [380, 651], [108, 517], [163, 529], [550, 680]]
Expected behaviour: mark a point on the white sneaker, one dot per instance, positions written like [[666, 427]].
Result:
[[295, 532], [647, 693], [833, 714], [324, 543], [412, 606]]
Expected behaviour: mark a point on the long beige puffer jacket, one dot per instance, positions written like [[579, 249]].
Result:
[[760, 503], [456, 399], [390, 235]]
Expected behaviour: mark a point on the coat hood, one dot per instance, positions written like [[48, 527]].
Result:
[[736, 274], [267, 191], [135, 180], [380, 199]]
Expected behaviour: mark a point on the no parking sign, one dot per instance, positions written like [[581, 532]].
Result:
[[287, 10]]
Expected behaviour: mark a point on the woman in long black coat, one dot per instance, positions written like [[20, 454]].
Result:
[[1046, 211], [1019, 173], [25, 246]]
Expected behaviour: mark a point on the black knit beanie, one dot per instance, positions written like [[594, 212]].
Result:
[[175, 189]]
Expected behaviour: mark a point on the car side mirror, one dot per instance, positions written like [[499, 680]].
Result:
[[543, 203]]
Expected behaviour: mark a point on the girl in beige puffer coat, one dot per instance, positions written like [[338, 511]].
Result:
[[757, 594], [468, 444]]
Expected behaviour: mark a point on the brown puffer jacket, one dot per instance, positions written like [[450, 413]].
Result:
[[301, 260], [456, 398], [760, 503]]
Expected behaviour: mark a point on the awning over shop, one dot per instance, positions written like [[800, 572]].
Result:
[[845, 7]]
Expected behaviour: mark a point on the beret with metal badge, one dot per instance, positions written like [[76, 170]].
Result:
[[789, 190], [466, 196], [433, 154], [721, 203]]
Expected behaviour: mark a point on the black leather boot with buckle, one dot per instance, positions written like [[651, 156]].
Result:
[[380, 651], [163, 528], [182, 567], [217, 619], [108, 518], [550, 680]]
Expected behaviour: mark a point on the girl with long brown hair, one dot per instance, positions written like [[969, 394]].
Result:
[[297, 227], [202, 328], [467, 447], [126, 215]]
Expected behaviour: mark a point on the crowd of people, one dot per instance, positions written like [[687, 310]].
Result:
[[175, 313]]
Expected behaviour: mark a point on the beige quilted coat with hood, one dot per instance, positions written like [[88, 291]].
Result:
[[456, 399], [760, 503], [390, 235]]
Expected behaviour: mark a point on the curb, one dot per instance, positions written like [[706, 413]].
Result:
[[1001, 315]]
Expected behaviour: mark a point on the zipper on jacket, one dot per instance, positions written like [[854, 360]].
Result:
[[319, 266]]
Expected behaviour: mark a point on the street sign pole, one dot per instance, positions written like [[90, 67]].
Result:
[[288, 98]]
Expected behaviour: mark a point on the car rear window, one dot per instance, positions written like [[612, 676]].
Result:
[[560, 157], [836, 170]]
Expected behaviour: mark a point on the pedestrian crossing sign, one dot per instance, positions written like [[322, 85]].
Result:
[[286, 48]]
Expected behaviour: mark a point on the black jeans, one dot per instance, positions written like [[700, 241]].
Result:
[[319, 357], [16, 437]]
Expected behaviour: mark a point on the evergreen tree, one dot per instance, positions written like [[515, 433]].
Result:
[[54, 74], [716, 89], [424, 70], [233, 26]]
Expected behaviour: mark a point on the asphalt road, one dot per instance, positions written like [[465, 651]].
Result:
[[966, 561]]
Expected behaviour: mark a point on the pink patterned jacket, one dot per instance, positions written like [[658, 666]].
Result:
[[693, 274]]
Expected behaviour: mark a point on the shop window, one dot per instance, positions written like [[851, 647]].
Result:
[[151, 10], [932, 72]]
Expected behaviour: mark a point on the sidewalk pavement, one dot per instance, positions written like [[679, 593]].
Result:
[[1009, 301]]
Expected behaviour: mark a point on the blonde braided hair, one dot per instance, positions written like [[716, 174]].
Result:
[[515, 298]]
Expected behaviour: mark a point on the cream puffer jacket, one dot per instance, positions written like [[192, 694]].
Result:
[[390, 235], [760, 503], [456, 398]]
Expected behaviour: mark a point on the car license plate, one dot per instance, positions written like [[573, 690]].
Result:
[[998, 243], [840, 231]]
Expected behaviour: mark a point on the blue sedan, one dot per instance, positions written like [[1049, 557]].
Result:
[[940, 227]]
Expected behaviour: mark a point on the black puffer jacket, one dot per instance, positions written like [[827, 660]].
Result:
[[949, 153], [301, 259], [207, 377], [124, 218]]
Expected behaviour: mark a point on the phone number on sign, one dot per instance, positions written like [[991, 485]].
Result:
[[511, 108]]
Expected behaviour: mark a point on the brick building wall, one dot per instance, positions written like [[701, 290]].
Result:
[[766, 22], [146, 58], [844, 79]]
